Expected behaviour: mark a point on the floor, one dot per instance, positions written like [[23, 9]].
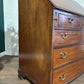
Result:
[[9, 68]]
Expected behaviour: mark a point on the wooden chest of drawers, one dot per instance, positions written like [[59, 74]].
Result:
[[51, 44]]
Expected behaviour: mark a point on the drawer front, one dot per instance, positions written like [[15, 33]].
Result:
[[69, 21], [65, 55], [66, 37], [68, 72]]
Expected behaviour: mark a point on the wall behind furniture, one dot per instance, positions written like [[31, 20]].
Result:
[[2, 38], [72, 5], [11, 26]]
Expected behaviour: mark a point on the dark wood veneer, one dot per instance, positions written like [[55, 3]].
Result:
[[71, 70], [73, 53], [63, 20], [72, 37], [69, 21], [40, 42], [35, 39]]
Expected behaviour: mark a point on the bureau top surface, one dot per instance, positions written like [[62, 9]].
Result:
[[75, 6]]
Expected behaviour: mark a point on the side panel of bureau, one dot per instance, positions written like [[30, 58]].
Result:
[[35, 40]]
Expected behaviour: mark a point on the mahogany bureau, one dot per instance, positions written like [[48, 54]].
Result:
[[51, 48]]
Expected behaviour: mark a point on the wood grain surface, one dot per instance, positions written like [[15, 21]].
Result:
[[72, 37], [73, 53], [35, 40], [69, 21], [70, 70]]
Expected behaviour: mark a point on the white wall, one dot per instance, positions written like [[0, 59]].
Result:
[[11, 26], [72, 5]]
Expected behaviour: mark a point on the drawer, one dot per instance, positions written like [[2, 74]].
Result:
[[68, 72], [66, 37], [69, 21], [65, 55]]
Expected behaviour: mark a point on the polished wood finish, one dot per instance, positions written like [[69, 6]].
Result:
[[65, 20], [69, 21], [73, 53], [39, 36], [35, 40], [72, 37], [55, 19], [70, 70]]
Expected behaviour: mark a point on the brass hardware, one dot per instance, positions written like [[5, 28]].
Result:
[[64, 36], [62, 77], [71, 20], [64, 55], [56, 19]]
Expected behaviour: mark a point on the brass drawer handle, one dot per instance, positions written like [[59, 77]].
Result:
[[71, 20], [64, 36], [64, 55], [56, 19], [62, 77]]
